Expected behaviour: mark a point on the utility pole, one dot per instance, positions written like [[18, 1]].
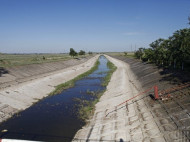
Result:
[[135, 47]]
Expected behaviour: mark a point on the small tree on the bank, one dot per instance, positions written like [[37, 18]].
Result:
[[125, 53], [82, 52], [90, 53], [72, 52], [139, 53], [43, 57]]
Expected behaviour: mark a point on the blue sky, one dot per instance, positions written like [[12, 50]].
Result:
[[54, 26]]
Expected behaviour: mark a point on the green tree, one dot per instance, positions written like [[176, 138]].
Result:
[[139, 53], [148, 55], [82, 52], [156, 43], [72, 52], [174, 50], [180, 47], [125, 53], [90, 53], [158, 50]]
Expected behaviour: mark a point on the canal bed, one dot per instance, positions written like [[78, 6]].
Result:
[[55, 118]]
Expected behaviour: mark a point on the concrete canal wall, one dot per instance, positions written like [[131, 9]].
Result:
[[19, 74], [142, 118], [27, 90]]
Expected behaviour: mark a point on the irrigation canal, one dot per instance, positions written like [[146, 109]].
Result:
[[55, 118]]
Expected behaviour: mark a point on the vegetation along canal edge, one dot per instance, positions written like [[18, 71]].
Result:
[[87, 107], [70, 83]]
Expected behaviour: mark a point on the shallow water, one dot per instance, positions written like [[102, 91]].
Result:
[[55, 117]]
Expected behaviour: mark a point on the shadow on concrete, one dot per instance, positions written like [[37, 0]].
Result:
[[121, 140], [52, 138], [148, 75], [77, 58], [30, 136], [3, 71], [175, 76]]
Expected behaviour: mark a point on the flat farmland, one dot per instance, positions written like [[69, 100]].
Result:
[[9, 60]]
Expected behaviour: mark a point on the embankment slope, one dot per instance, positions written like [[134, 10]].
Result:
[[18, 74], [21, 95], [142, 118]]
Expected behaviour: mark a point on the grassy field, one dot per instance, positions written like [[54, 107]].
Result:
[[8, 60], [129, 54]]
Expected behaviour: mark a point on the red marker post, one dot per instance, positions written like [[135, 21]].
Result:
[[156, 96]]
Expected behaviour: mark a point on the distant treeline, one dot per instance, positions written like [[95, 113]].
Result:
[[172, 52], [73, 53]]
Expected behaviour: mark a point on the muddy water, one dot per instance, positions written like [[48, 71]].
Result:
[[55, 118]]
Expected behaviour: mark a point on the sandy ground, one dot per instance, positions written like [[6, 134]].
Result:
[[133, 122], [22, 95]]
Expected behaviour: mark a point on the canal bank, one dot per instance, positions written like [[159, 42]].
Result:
[[21, 96], [127, 111], [132, 121], [56, 118]]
